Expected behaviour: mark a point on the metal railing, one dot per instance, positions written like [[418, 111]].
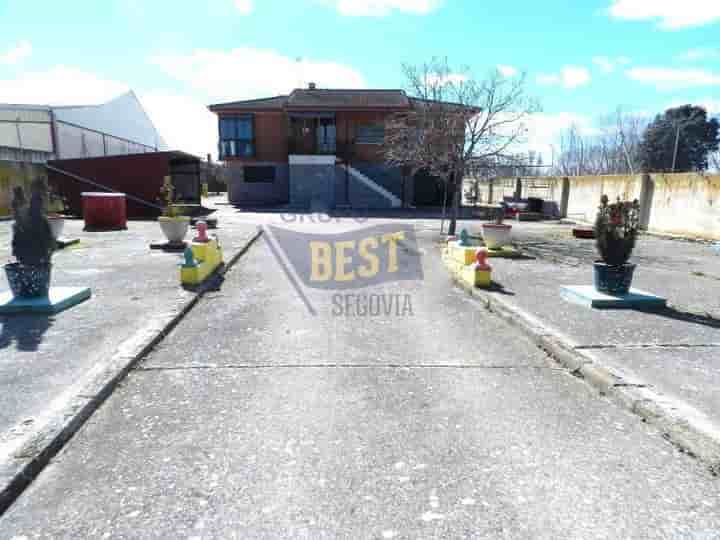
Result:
[[300, 146]]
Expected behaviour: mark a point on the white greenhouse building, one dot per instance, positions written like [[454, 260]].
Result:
[[36, 134]]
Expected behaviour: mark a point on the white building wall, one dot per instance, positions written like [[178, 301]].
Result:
[[29, 129], [123, 118], [118, 127]]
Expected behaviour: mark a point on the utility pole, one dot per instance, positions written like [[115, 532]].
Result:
[[627, 154], [677, 143]]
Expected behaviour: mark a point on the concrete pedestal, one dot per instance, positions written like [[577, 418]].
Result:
[[59, 299], [588, 296]]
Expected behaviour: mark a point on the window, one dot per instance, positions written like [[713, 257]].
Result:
[[258, 173], [374, 134], [237, 137]]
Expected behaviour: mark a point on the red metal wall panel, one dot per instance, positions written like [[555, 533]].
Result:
[[139, 175]]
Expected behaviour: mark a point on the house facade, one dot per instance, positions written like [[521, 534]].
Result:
[[313, 149]]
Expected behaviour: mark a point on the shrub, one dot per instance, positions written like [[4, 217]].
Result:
[[616, 228]]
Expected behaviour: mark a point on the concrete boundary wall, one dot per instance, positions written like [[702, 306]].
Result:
[[682, 204], [14, 174]]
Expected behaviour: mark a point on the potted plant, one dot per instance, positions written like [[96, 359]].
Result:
[[497, 235], [56, 211], [616, 228], [32, 245], [173, 224]]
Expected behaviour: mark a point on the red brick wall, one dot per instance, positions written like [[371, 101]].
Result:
[[347, 123], [271, 138]]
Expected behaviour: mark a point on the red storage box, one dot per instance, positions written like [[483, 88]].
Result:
[[104, 211]]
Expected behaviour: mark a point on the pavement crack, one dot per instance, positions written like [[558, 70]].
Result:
[[342, 366], [631, 346]]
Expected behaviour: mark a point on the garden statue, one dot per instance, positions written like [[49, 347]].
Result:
[[202, 236], [464, 238], [189, 259], [481, 257]]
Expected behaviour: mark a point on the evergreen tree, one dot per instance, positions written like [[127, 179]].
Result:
[[679, 140]]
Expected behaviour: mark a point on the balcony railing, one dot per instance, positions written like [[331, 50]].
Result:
[[340, 149]]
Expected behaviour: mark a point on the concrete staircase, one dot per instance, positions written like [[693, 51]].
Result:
[[364, 191], [385, 176]]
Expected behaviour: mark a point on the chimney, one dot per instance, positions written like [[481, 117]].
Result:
[[312, 86]]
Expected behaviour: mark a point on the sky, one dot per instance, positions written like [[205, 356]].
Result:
[[582, 59]]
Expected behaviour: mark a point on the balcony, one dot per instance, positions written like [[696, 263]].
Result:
[[303, 147], [309, 146]]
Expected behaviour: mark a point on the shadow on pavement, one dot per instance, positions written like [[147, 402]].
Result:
[[26, 331], [364, 213], [498, 288], [683, 316]]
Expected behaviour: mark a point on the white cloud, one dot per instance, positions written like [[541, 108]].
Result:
[[383, 8], [607, 64], [60, 85], [193, 129], [548, 79], [569, 76], [246, 73], [16, 54], [671, 78], [701, 53], [507, 71], [245, 7], [544, 130], [574, 77], [671, 14]]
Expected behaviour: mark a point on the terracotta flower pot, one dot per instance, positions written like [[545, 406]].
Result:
[[496, 235], [174, 228]]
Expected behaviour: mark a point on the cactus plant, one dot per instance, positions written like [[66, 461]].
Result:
[[32, 244]]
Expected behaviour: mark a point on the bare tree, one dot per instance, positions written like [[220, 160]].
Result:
[[456, 120], [714, 161], [615, 150]]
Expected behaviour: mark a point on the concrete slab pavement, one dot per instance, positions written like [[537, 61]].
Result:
[[54, 369], [274, 429], [620, 349]]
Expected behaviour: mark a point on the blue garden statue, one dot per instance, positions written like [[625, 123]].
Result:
[[464, 238], [189, 259]]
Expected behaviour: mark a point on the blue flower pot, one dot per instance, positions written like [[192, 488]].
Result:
[[28, 281], [614, 280]]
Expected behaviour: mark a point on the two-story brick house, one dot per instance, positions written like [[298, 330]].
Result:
[[315, 148]]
